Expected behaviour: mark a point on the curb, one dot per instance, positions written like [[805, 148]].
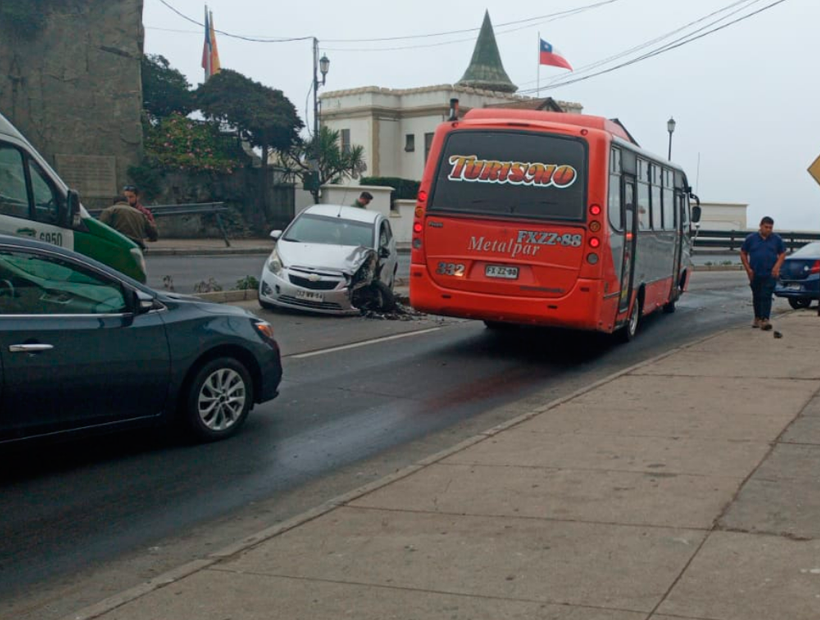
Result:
[[717, 268], [223, 297], [206, 251], [174, 575]]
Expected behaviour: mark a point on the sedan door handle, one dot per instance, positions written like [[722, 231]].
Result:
[[30, 348]]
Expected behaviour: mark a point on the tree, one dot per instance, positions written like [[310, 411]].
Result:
[[263, 116], [333, 164], [165, 91]]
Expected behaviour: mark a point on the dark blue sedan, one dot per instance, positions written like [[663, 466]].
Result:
[[85, 348], [799, 279]]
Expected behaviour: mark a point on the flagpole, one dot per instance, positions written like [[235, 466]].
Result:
[[207, 62], [538, 70]]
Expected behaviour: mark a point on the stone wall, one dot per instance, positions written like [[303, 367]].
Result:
[[74, 91]]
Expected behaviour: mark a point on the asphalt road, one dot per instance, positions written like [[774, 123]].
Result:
[[186, 272], [362, 398]]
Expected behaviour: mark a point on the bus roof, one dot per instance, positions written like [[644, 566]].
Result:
[[540, 116]]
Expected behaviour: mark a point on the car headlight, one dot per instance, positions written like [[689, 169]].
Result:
[[275, 263]]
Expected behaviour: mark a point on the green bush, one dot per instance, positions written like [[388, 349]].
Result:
[[179, 143], [247, 283], [403, 189]]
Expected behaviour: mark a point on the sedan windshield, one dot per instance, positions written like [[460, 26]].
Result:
[[330, 230]]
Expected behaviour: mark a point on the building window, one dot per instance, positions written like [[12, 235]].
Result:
[[344, 138], [428, 142], [410, 142]]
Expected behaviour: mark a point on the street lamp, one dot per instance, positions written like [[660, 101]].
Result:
[[670, 127], [320, 65]]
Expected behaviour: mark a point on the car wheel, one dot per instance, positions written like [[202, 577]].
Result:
[[628, 332], [669, 308], [798, 303], [385, 299], [218, 399]]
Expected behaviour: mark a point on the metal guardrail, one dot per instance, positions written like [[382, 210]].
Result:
[[196, 208], [732, 239]]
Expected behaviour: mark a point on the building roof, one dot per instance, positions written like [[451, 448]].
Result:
[[486, 70]]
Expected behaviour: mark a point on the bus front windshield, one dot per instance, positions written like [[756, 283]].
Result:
[[511, 174]]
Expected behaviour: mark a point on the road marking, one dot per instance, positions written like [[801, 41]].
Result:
[[364, 343]]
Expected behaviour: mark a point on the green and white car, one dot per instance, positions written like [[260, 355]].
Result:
[[36, 203]]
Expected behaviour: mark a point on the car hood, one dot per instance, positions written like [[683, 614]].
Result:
[[202, 304], [320, 256]]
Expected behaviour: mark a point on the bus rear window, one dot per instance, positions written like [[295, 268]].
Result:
[[511, 174]]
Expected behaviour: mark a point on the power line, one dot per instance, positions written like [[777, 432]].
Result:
[[657, 52], [586, 68], [548, 17]]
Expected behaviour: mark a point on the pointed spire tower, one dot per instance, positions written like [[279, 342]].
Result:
[[486, 71]]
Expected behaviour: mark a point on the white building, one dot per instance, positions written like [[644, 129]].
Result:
[[396, 127], [723, 216]]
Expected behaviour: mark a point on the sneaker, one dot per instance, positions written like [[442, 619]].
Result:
[[756, 324], [765, 325]]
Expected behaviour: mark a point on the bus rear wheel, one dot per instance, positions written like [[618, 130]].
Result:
[[628, 332]]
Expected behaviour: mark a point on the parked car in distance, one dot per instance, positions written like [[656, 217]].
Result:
[[799, 280], [84, 348], [331, 259]]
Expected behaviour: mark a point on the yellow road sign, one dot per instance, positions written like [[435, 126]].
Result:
[[814, 170]]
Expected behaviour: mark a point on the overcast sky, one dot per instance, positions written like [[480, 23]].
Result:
[[745, 98]]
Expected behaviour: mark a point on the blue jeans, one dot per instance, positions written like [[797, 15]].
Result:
[[762, 289]]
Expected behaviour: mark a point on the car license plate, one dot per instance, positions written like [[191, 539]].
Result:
[[794, 287], [500, 271], [309, 295]]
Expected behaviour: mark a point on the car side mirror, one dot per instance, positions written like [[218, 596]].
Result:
[[143, 302], [73, 208], [384, 252], [275, 234]]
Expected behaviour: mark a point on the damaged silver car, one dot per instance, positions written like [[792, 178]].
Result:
[[334, 260]]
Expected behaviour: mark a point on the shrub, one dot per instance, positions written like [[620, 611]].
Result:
[[179, 143], [403, 189]]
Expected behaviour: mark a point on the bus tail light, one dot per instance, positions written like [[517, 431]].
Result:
[[594, 226], [594, 242], [419, 212], [592, 258], [416, 243], [421, 199], [595, 210], [417, 227]]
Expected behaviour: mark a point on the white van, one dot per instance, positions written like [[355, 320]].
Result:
[[35, 203]]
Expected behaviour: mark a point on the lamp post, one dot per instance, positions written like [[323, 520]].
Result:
[[670, 127], [320, 65]]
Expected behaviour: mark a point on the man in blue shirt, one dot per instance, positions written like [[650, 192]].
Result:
[[762, 255]]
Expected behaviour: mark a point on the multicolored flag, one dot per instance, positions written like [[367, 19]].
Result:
[[210, 53], [548, 55]]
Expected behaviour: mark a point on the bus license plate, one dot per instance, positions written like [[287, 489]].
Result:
[[499, 271], [309, 295]]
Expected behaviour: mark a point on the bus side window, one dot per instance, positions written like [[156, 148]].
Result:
[[47, 202], [13, 193], [615, 217]]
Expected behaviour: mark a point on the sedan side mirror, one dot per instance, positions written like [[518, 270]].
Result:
[[143, 302], [384, 252], [275, 234]]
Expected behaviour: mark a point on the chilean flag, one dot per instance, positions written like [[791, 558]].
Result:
[[548, 55]]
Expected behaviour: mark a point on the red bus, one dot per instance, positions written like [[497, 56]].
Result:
[[547, 218]]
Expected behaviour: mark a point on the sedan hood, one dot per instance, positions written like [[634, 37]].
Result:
[[322, 257], [203, 304]]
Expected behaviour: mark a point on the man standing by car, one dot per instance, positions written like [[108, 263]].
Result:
[[363, 200], [132, 223], [132, 196], [762, 255]]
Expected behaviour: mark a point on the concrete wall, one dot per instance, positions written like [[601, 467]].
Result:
[[75, 90]]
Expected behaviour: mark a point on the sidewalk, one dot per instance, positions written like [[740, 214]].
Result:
[[192, 247], [684, 487]]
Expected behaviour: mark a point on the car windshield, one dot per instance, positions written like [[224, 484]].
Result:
[[310, 228], [810, 250]]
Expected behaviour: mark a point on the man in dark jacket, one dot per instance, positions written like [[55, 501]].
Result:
[[762, 255], [132, 223]]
